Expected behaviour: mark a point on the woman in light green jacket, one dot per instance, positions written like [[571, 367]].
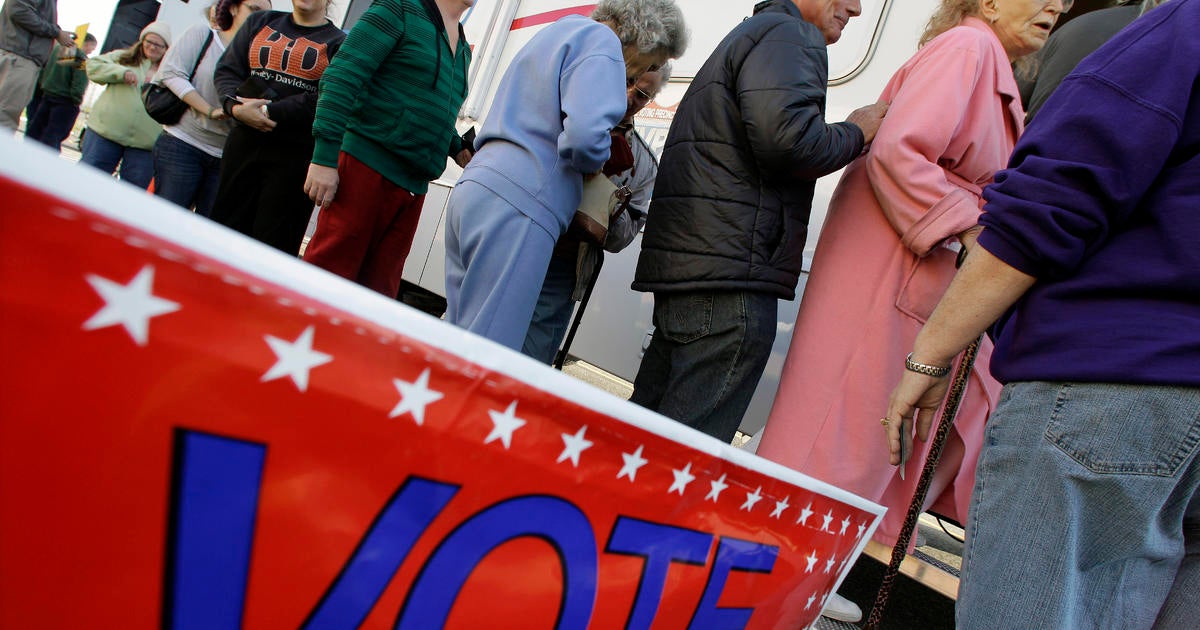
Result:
[[120, 132]]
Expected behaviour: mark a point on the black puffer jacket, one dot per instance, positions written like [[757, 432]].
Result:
[[735, 182]]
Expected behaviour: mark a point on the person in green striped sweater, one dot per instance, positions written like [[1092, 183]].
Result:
[[383, 130]]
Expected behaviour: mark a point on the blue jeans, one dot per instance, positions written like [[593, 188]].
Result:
[[708, 351], [1085, 512], [52, 120], [137, 165], [185, 175], [552, 315]]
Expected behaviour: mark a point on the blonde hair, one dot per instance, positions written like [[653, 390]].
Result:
[[950, 13]]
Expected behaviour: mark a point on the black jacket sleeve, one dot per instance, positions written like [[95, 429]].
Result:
[[781, 93], [234, 66]]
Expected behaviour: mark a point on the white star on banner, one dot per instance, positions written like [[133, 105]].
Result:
[[574, 446], [752, 498], [811, 598], [130, 305], [294, 358], [805, 513], [828, 518], [862, 527], [682, 479], [414, 397], [633, 461], [811, 559], [503, 425], [842, 564], [780, 506], [829, 564], [845, 526], [718, 485]]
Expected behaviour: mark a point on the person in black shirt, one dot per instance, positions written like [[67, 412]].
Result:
[[267, 80]]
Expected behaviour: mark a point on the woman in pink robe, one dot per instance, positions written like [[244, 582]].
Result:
[[886, 255]]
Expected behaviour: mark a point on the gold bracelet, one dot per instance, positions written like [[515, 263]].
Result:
[[922, 368]]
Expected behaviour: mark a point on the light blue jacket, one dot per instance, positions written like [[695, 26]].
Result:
[[550, 121]]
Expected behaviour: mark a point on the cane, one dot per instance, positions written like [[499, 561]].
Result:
[[561, 357], [953, 398]]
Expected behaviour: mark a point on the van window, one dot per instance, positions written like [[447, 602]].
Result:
[[851, 51], [720, 17]]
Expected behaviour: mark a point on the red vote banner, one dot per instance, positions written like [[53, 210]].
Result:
[[199, 432]]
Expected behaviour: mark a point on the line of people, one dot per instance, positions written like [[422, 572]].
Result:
[[1088, 231]]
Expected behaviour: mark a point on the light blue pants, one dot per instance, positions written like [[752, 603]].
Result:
[[496, 258], [1085, 512]]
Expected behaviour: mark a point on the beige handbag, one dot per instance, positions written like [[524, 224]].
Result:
[[602, 201]]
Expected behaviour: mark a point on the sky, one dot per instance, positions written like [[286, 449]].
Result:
[[98, 13]]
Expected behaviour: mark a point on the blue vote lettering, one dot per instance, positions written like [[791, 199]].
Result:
[[660, 545], [214, 501]]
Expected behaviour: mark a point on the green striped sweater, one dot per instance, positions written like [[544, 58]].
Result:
[[391, 95]]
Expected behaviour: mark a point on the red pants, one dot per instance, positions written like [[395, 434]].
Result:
[[366, 233]]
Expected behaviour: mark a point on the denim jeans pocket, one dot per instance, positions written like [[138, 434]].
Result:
[[684, 317], [1125, 429]]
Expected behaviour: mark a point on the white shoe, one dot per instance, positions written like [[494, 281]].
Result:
[[841, 609]]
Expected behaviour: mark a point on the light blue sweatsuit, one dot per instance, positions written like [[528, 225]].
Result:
[[548, 125]]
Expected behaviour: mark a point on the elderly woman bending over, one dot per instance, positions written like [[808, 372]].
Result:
[[547, 131]]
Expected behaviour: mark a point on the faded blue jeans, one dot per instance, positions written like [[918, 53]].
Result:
[[552, 315], [708, 352], [185, 175], [1085, 512]]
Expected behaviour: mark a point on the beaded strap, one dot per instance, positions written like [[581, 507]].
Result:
[[953, 398]]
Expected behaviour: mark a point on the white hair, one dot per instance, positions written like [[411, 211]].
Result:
[[650, 25]]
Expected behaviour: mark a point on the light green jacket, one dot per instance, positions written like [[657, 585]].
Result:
[[118, 114]]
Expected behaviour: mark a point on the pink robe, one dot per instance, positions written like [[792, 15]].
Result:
[[881, 266]]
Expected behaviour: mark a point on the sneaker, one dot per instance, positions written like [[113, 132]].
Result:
[[841, 609]]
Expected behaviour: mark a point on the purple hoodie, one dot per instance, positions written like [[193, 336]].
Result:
[[1101, 203]]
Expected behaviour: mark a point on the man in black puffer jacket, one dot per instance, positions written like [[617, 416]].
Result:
[[725, 232]]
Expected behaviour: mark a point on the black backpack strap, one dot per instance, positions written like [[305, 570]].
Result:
[[200, 57]]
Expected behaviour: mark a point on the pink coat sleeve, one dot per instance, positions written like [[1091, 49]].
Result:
[[905, 163]]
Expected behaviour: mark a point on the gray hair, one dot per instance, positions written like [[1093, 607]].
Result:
[[1149, 4], [665, 72], [650, 25]]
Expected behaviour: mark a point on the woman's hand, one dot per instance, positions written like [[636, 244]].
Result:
[[322, 184], [919, 395], [216, 113], [252, 112], [130, 78]]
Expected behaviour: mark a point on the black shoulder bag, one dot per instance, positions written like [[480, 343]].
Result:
[[161, 103]]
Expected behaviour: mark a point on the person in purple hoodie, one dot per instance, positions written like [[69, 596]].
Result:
[[1086, 509], [544, 134]]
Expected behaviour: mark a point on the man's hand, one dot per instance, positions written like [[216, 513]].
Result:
[[868, 119], [66, 38], [251, 112], [464, 157], [322, 184]]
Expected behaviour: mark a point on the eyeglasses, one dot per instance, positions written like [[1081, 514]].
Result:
[[153, 44], [1066, 4], [641, 94]]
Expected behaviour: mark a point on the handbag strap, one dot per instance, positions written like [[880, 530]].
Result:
[[200, 57]]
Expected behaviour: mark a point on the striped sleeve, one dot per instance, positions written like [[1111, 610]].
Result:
[[370, 41]]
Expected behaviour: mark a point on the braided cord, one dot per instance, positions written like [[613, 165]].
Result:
[[953, 398]]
